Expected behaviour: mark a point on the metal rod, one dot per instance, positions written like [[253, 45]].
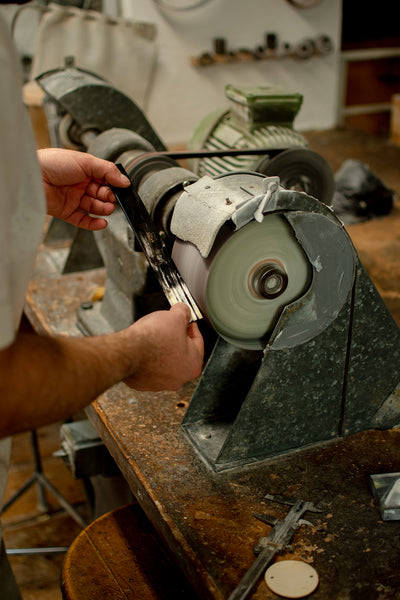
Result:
[[42, 500], [18, 493], [62, 501], [252, 576], [50, 550], [181, 154]]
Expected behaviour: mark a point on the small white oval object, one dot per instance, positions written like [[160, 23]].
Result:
[[291, 578]]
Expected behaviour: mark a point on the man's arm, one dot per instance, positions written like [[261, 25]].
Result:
[[45, 379]]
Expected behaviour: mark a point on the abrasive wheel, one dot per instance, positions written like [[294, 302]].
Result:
[[248, 278]]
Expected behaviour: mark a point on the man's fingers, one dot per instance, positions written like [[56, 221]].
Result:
[[193, 331], [183, 309], [84, 221], [96, 207], [198, 342], [113, 176]]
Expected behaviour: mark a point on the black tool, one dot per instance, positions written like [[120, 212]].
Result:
[[154, 247]]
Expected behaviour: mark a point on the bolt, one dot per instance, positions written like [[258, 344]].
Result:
[[86, 305], [268, 281]]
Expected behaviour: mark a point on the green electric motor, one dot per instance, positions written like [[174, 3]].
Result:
[[261, 117]]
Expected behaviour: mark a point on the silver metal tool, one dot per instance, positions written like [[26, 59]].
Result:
[[154, 248], [386, 490], [279, 537]]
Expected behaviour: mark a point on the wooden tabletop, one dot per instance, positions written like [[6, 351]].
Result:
[[206, 518]]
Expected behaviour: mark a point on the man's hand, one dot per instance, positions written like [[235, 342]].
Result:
[[171, 350], [76, 186]]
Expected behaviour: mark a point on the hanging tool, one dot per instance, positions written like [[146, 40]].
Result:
[[154, 248], [277, 540]]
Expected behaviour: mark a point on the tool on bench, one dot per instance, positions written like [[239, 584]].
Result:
[[386, 490], [154, 248], [277, 540]]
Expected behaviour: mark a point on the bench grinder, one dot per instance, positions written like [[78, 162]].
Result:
[[305, 351]]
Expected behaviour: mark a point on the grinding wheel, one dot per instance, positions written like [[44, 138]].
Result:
[[248, 278]]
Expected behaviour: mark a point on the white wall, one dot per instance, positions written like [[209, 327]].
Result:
[[181, 94]]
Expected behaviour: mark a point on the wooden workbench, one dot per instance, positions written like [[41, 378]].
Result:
[[205, 518]]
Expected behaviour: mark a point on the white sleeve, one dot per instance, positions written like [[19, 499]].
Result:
[[22, 206]]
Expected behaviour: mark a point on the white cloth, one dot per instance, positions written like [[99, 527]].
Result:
[[22, 213], [22, 204], [121, 51]]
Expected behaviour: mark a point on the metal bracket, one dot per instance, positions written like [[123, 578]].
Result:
[[386, 490], [271, 188]]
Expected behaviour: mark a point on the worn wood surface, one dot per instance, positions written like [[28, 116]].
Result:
[[120, 557], [206, 519]]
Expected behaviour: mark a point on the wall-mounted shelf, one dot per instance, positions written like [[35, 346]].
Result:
[[369, 77]]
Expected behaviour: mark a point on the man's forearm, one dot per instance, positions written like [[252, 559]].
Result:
[[46, 379]]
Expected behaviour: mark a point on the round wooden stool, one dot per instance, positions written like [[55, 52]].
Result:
[[121, 557]]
